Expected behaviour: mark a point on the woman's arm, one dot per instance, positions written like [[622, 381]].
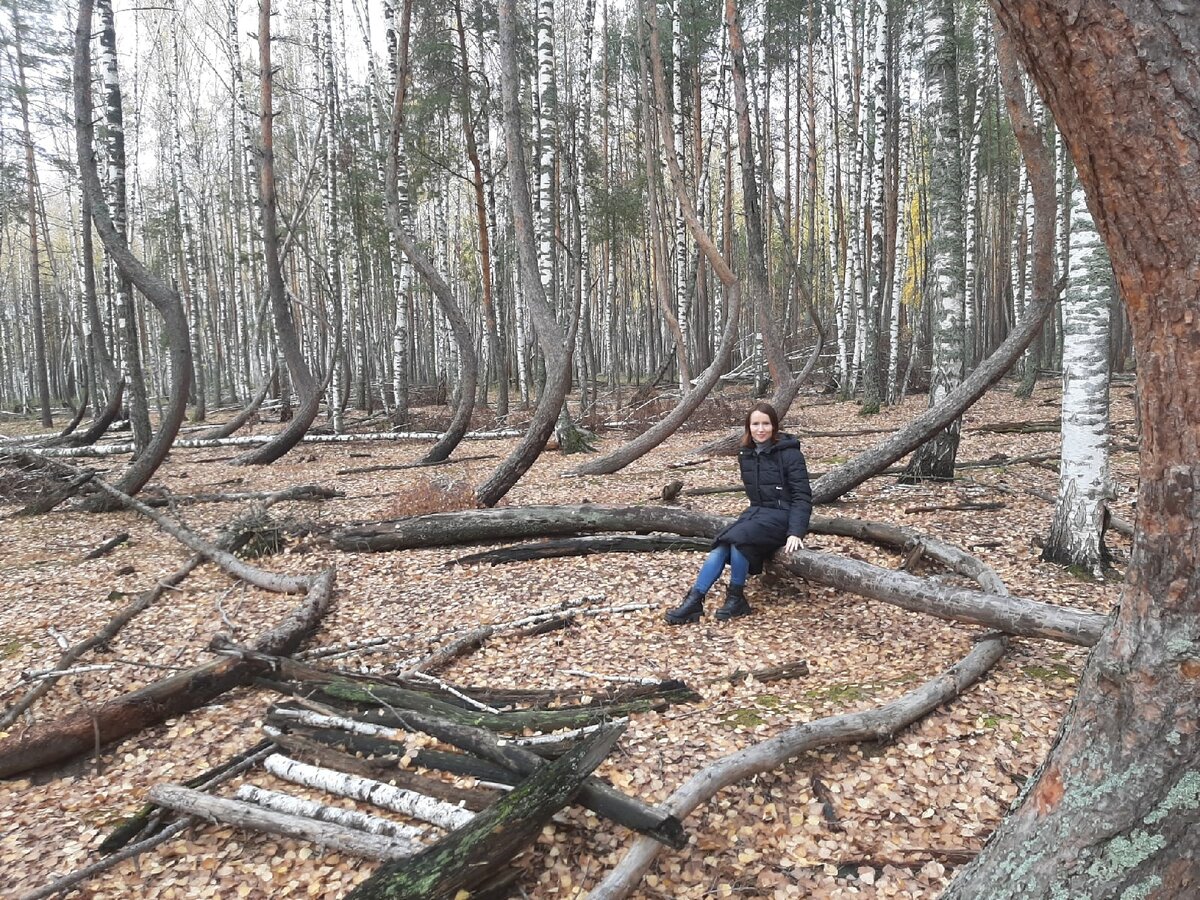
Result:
[[796, 472]]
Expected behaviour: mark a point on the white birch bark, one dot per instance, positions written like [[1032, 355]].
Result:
[[128, 344], [983, 68], [329, 213], [682, 268], [879, 248], [406, 836], [408, 803], [402, 271], [935, 458], [248, 815], [1076, 532], [903, 231], [547, 93]]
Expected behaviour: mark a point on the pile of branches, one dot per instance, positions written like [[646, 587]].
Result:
[[529, 753]]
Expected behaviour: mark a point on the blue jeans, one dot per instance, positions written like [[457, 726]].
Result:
[[739, 568]]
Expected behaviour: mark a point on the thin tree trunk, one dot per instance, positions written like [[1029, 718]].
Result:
[[307, 390]]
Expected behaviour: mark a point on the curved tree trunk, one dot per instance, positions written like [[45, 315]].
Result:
[[555, 344], [247, 413], [307, 390], [648, 440], [163, 298], [871, 462], [467, 360], [1115, 809]]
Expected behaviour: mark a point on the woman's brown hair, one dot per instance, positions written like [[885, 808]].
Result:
[[768, 410]]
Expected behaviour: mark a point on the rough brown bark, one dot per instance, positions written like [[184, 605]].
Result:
[[556, 344], [128, 714], [1115, 809], [307, 390]]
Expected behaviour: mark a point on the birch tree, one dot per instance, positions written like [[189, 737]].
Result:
[[935, 458], [1077, 531]]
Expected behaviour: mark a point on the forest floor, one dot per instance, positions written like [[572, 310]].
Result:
[[881, 820]]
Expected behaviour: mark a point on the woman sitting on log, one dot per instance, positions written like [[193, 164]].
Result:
[[776, 480]]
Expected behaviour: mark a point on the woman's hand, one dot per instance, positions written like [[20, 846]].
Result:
[[793, 544]]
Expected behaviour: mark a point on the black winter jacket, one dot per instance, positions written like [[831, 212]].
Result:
[[776, 483]]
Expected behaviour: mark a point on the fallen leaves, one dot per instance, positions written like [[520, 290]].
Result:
[[909, 810]]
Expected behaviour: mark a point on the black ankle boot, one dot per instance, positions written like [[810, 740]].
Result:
[[689, 611], [735, 603]]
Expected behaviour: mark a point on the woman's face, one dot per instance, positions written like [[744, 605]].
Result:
[[760, 427]]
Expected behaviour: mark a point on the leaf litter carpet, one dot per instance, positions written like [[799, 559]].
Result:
[[886, 820]]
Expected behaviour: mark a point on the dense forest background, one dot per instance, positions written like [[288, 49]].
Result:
[[848, 107]]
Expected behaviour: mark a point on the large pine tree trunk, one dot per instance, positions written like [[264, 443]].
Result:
[[1115, 809]]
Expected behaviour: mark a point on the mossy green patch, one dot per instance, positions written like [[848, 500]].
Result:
[[743, 718], [1056, 672], [1124, 853], [770, 701], [11, 646]]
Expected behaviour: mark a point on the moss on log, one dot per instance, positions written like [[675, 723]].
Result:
[[474, 853]]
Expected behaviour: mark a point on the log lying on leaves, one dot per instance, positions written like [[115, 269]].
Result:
[[1018, 616], [623, 543], [349, 818], [385, 796], [386, 764], [512, 722], [259, 439], [474, 853], [511, 523], [83, 730], [1013, 615], [248, 815], [597, 795], [108, 546], [875, 724], [132, 826]]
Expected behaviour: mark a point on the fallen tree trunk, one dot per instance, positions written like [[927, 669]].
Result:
[[133, 826], [128, 714], [474, 853], [386, 764], [348, 818], [255, 440], [247, 815], [1016, 615], [872, 725], [625, 543], [400, 800], [596, 794]]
